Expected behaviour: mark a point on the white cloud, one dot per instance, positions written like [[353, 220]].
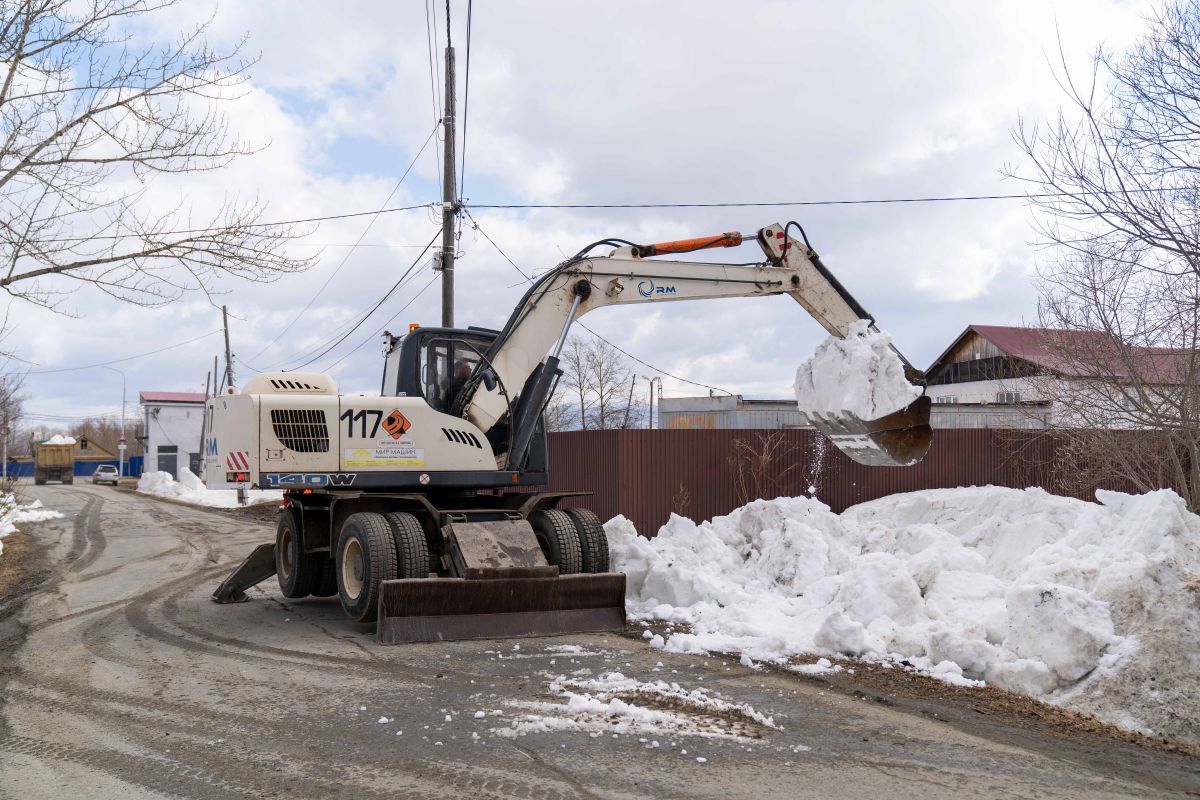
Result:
[[617, 102]]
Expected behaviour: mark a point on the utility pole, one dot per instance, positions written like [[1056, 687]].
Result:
[[449, 202], [215, 379], [228, 356], [121, 446], [204, 423], [629, 402]]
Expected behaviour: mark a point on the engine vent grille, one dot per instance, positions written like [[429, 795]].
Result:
[[462, 437], [295, 386], [301, 429]]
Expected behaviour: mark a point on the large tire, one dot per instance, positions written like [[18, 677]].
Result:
[[412, 551], [558, 539], [593, 543], [366, 557], [326, 584], [296, 570]]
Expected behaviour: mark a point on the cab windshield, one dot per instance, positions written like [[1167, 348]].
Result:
[[446, 364]]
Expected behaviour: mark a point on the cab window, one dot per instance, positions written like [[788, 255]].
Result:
[[445, 366]]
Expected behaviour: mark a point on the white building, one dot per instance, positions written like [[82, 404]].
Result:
[[172, 430], [732, 411]]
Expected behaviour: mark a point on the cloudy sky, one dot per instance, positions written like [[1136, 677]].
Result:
[[615, 102]]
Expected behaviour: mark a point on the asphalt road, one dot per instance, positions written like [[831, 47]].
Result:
[[120, 678]]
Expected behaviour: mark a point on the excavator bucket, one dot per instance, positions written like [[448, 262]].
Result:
[[506, 589], [899, 439]]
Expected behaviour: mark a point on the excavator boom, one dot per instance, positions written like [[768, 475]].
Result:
[[516, 365]]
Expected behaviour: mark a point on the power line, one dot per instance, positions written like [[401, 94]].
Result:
[[552, 206], [462, 172], [343, 330], [651, 367], [383, 327], [785, 203], [350, 252], [305, 220], [373, 308], [127, 358], [70, 418], [434, 75]]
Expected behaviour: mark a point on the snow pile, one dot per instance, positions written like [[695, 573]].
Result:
[[12, 513], [1093, 606], [190, 489], [613, 704], [59, 438], [860, 374]]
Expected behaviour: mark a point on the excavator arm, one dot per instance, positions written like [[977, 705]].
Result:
[[516, 377]]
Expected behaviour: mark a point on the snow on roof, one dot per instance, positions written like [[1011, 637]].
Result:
[[172, 397], [58, 438], [1081, 353]]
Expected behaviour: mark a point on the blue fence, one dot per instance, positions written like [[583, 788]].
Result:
[[83, 469]]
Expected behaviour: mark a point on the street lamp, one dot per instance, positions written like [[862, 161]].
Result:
[[652, 380], [121, 440]]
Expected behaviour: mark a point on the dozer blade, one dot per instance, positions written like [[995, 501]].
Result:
[[897, 440], [257, 567], [447, 609]]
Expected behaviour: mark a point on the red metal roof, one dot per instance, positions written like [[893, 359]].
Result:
[[1082, 353], [172, 397]]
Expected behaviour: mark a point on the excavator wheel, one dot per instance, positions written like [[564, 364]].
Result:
[[326, 584], [593, 543], [558, 538], [412, 551], [296, 570], [366, 557]]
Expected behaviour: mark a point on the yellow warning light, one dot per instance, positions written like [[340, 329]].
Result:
[[412, 326]]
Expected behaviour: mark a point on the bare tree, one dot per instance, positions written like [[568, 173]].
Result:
[[88, 119], [559, 415], [596, 389], [1116, 181], [576, 383], [106, 432], [10, 416], [611, 382], [761, 465]]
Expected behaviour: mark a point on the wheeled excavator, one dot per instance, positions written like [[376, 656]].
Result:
[[411, 506]]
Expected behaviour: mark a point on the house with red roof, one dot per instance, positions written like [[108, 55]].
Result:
[[994, 376], [172, 423]]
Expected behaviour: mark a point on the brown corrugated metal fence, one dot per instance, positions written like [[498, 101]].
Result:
[[647, 474]]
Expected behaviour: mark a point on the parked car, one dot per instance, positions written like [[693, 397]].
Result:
[[105, 473]]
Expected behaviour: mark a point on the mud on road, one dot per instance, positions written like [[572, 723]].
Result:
[[120, 678]]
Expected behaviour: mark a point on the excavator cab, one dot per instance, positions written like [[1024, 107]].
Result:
[[433, 363], [437, 365]]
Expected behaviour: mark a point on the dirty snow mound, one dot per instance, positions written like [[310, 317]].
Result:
[[12, 513], [190, 489], [1089, 605], [860, 374]]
